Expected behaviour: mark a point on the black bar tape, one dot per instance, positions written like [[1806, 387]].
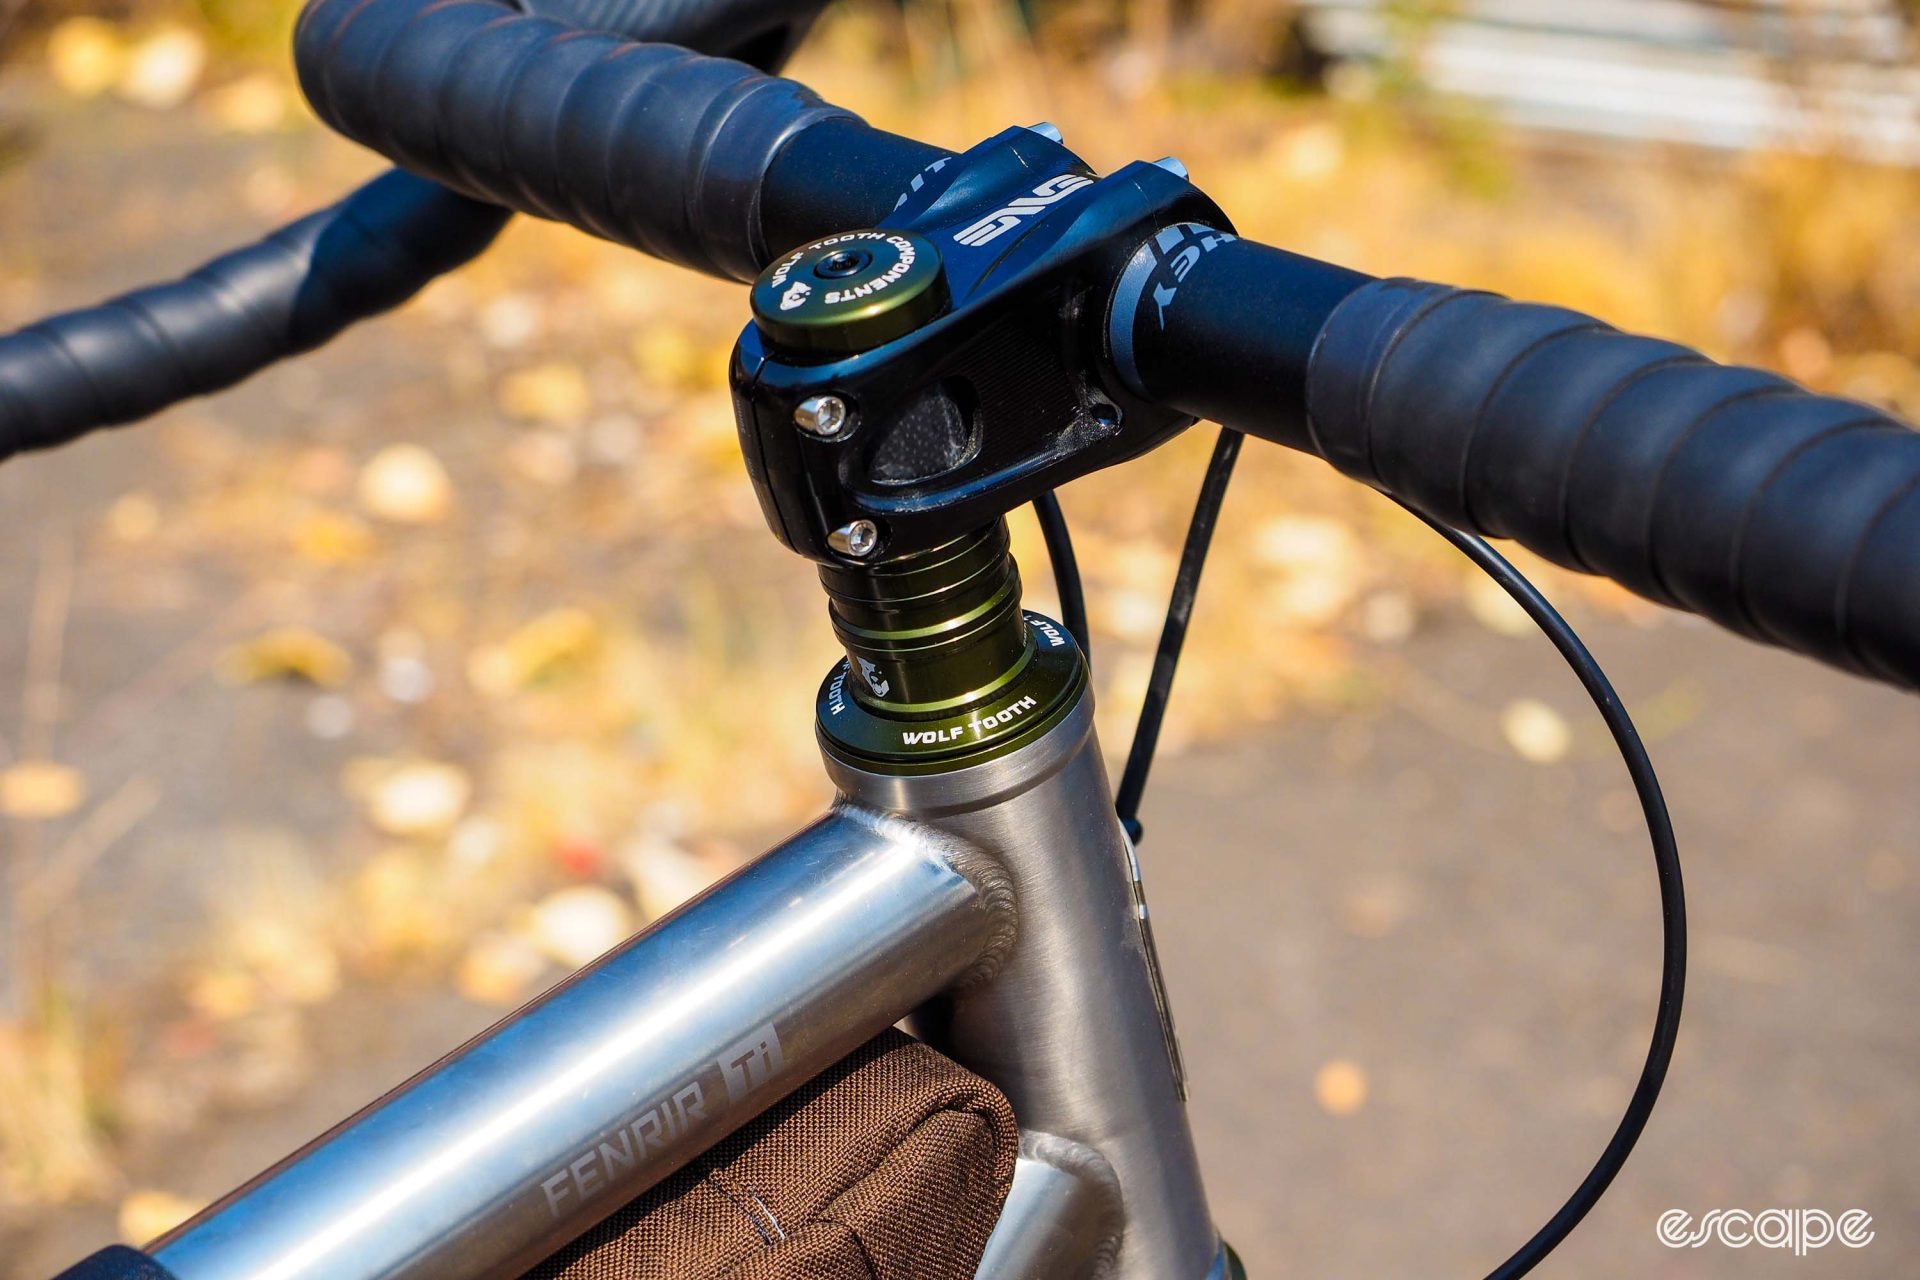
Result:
[[646, 145], [295, 290], [761, 32], [1787, 516], [301, 286]]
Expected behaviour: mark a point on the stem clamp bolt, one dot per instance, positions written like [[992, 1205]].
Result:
[[858, 540], [823, 416]]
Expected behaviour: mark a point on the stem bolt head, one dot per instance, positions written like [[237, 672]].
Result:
[[858, 540], [1173, 166], [823, 416]]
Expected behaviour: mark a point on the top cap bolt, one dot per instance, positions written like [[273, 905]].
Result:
[[850, 292]]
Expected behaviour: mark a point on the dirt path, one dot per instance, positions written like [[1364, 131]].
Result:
[[1477, 935]]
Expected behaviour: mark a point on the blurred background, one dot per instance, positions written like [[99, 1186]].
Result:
[[343, 712]]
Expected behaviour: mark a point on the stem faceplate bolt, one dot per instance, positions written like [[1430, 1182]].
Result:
[[858, 540], [823, 416]]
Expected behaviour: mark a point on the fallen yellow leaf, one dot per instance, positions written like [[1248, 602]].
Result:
[[135, 517], [1303, 543], [163, 70], [401, 906], [666, 356], [578, 925], [664, 875], [536, 651], [330, 538], [290, 956], [545, 457], [555, 393], [498, 968], [418, 798], [41, 789], [252, 104], [149, 1213], [1340, 1087], [223, 994], [406, 484], [1388, 617], [1494, 609], [288, 653], [1536, 731], [86, 56], [1310, 156]]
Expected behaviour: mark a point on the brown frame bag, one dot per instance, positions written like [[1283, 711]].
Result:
[[891, 1165]]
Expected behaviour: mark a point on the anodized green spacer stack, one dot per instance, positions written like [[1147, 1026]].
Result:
[[944, 669], [932, 632]]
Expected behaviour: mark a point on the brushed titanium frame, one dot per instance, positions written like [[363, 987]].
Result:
[[996, 906]]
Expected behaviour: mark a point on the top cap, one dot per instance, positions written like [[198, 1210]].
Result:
[[850, 292]]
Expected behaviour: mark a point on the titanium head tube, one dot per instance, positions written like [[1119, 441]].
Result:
[[1072, 1028], [957, 709], [512, 1146]]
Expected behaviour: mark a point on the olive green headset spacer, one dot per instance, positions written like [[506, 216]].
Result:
[[850, 292], [1040, 694], [932, 632], [944, 669]]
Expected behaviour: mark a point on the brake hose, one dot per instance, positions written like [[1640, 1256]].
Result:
[[1066, 570], [1666, 862], [1666, 853], [1173, 634]]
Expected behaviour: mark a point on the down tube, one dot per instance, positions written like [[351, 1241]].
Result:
[[494, 1157]]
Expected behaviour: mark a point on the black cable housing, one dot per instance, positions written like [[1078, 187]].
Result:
[[1066, 570], [1646, 784], [1673, 906], [1173, 635]]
